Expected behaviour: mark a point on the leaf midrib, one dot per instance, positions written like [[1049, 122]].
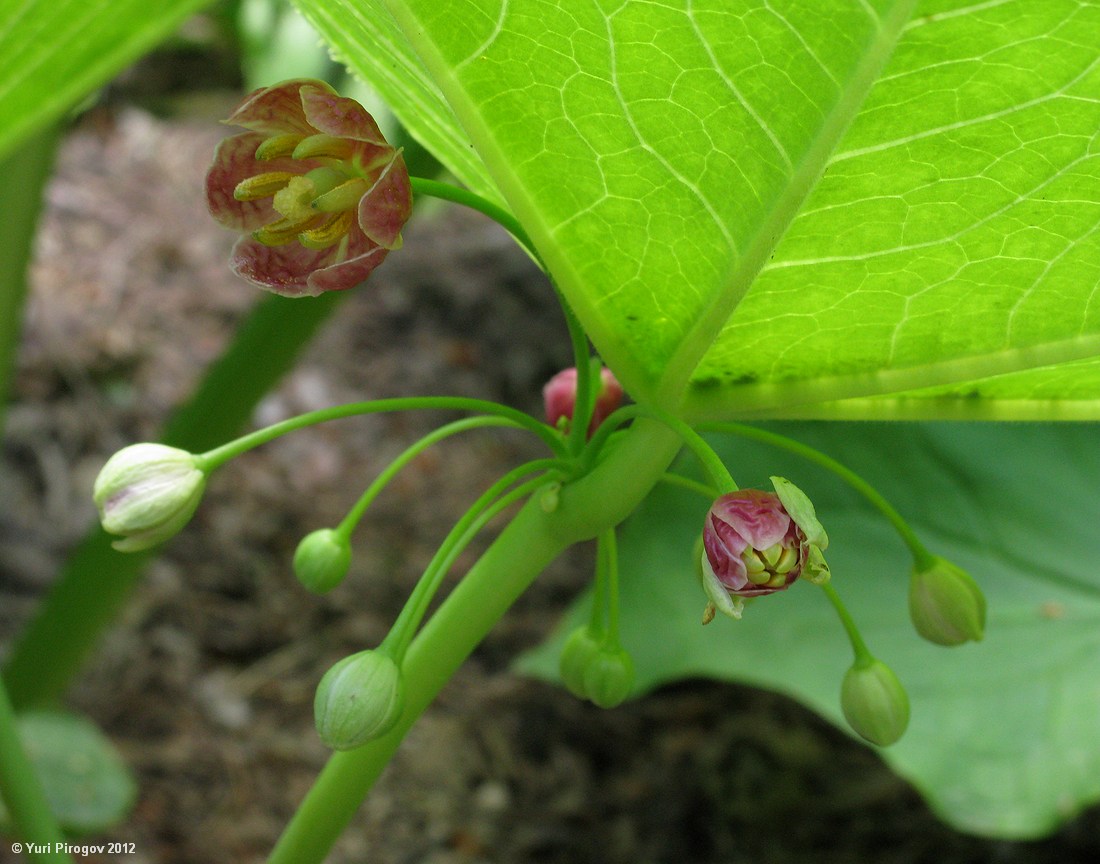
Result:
[[672, 388]]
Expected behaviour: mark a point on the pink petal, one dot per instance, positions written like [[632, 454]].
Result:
[[757, 516], [234, 161], [284, 270], [339, 116], [278, 109], [387, 205], [347, 274]]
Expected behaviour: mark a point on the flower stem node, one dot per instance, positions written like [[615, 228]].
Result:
[[146, 493], [360, 698], [945, 603], [322, 559], [874, 702]]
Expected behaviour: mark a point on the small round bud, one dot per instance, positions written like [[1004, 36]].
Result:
[[609, 677], [946, 605], [322, 559], [874, 703], [576, 654], [560, 397], [361, 697], [146, 493]]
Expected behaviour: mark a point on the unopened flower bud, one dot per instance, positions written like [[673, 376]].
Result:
[[874, 703], [946, 605], [322, 559], [609, 677], [146, 493], [576, 654], [360, 698], [560, 397]]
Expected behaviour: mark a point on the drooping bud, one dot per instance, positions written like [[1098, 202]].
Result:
[[751, 547], [874, 702], [945, 603], [609, 677], [560, 397], [578, 651], [322, 559], [360, 698], [146, 493]]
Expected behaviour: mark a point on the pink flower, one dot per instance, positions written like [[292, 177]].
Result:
[[752, 545], [560, 397], [319, 191]]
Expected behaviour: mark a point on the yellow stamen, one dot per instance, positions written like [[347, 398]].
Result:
[[293, 201], [262, 185], [777, 581], [277, 147], [786, 561], [323, 147], [328, 232], [346, 196], [283, 231]]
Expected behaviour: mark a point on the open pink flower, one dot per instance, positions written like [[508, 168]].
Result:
[[319, 191]]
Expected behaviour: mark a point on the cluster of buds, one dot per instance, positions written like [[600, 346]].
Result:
[[319, 192], [594, 670]]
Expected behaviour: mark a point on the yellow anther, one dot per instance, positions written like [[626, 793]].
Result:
[[346, 196], [324, 147], [328, 232], [752, 560], [262, 185], [777, 581], [277, 147], [283, 231], [786, 561], [772, 553]]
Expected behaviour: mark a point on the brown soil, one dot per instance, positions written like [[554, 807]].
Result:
[[206, 683]]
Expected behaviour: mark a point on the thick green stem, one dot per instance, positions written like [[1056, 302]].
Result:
[[22, 792], [523, 549], [921, 555]]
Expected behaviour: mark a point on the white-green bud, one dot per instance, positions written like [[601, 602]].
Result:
[[146, 493], [360, 698], [874, 703], [946, 605], [322, 559]]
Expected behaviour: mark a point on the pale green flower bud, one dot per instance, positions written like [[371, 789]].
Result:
[[360, 698], [946, 605], [576, 654], [874, 703], [322, 559], [609, 677], [146, 493]]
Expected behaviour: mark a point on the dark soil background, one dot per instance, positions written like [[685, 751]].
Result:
[[206, 683]]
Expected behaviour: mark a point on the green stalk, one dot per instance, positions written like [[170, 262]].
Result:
[[22, 792], [523, 549], [213, 458], [923, 558], [458, 195], [25, 172], [863, 657]]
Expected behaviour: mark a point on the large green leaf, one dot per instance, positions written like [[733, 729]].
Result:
[[915, 185], [1003, 733], [53, 53]]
